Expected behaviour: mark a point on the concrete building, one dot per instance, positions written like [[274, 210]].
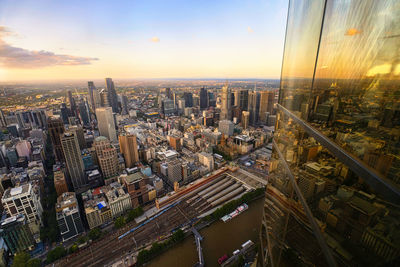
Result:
[[107, 157], [226, 127], [68, 217], [24, 199], [174, 170], [16, 234], [245, 119], [96, 208], [136, 185], [175, 142], [118, 199], [226, 105], [73, 159], [207, 160], [129, 148], [60, 182], [105, 123]]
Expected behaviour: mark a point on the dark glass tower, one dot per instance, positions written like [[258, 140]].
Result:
[[112, 95], [203, 98], [333, 193]]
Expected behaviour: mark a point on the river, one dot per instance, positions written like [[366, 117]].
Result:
[[218, 239]]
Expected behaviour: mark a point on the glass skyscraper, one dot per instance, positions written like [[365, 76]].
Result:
[[333, 196]]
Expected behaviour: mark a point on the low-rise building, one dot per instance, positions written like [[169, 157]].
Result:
[[16, 233], [118, 198], [97, 210], [60, 183], [68, 217], [137, 189]]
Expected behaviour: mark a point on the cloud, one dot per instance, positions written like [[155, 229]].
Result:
[[352, 32], [155, 39], [16, 57], [249, 29]]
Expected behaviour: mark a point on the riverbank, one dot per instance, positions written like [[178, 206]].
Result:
[[216, 234]]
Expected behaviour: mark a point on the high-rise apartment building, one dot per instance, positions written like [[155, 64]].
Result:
[[336, 205], [226, 105], [56, 129], [91, 92], [73, 159], [129, 148], [112, 95], [106, 123]]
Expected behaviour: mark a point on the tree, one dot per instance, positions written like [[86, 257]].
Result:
[[21, 259], [34, 263], [56, 254], [73, 248], [95, 233], [134, 213], [119, 222]]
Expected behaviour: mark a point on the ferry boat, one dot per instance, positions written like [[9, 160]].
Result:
[[235, 213]]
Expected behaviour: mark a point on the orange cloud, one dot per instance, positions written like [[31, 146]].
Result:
[[16, 57], [352, 32]]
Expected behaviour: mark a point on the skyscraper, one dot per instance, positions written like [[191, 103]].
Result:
[[266, 104], [203, 98], [72, 154], [129, 148], [91, 92], [226, 105], [84, 112], [3, 122], [327, 183], [112, 95], [254, 107], [65, 112], [124, 105], [56, 128], [106, 124], [107, 157], [72, 104], [188, 99], [168, 93]]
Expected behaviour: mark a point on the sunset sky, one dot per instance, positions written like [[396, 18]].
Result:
[[45, 40]]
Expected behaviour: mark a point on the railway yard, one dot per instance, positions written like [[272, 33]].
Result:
[[175, 211]]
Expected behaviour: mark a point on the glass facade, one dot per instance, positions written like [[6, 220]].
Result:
[[333, 196]]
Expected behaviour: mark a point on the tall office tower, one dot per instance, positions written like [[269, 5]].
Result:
[[212, 102], [112, 95], [56, 128], [68, 217], [80, 135], [65, 113], [203, 98], [91, 92], [129, 148], [168, 106], [107, 157], [244, 99], [124, 105], [245, 119], [84, 112], [168, 93], [188, 99], [103, 97], [330, 199], [3, 122], [254, 107], [73, 159], [226, 107], [266, 104], [39, 118], [106, 124], [72, 104]]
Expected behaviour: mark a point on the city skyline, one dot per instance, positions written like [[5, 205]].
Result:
[[55, 41]]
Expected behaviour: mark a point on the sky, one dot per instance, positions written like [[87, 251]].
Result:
[[54, 40]]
